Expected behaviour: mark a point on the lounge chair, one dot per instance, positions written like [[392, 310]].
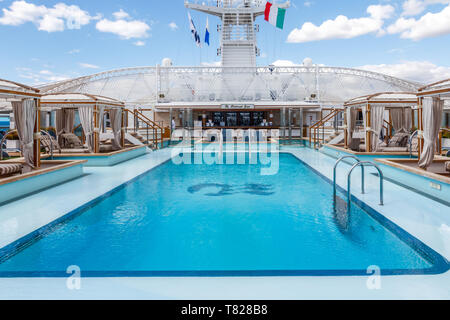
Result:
[[398, 143], [7, 169], [48, 141], [355, 145]]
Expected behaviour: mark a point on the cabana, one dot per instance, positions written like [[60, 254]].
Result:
[[432, 99], [400, 107], [91, 110], [25, 106]]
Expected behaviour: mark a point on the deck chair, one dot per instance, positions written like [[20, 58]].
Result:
[[8, 169]]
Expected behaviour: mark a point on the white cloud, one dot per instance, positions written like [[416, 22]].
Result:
[[285, 63], [120, 15], [74, 51], [173, 26], [429, 25], [421, 71], [415, 7], [342, 27], [88, 65], [41, 77], [139, 43], [123, 28], [57, 18]]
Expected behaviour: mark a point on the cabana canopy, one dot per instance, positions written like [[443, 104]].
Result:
[[25, 105], [65, 100], [439, 89], [387, 99], [432, 99], [399, 104], [90, 109], [10, 90]]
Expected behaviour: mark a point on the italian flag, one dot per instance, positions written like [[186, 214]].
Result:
[[274, 15]]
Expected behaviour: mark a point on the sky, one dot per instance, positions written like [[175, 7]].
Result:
[[46, 41]]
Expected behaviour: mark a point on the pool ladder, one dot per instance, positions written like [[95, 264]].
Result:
[[361, 164]]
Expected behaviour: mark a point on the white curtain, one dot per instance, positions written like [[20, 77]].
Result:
[[115, 116], [65, 121], [407, 119], [432, 119], [377, 118], [86, 114], [397, 119], [101, 116], [25, 118], [351, 113]]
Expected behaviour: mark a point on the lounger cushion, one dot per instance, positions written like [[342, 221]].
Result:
[[71, 141], [394, 149], [10, 168], [74, 151], [106, 148], [400, 139], [447, 166]]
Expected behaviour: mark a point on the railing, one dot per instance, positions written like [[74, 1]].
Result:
[[361, 164], [52, 146], [389, 128], [410, 141], [349, 181], [2, 143], [150, 125], [314, 130]]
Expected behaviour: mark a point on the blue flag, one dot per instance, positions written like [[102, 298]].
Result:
[[207, 32], [194, 31]]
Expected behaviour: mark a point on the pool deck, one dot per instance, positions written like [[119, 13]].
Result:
[[427, 220]]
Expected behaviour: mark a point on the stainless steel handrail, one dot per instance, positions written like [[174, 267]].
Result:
[[411, 138], [335, 171], [4, 140], [349, 180], [51, 142]]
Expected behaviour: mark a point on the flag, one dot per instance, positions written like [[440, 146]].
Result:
[[275, 15], [194, 31], [207, 32]]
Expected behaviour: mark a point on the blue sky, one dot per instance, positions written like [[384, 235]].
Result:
[[40, 42]]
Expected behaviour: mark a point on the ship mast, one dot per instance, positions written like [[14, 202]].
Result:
[[238, 46]]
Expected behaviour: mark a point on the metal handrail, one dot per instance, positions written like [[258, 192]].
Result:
[[51, 142], [4, 140], [321, 123], [150, 124], [411, 138], [349, 181], [335, 171]]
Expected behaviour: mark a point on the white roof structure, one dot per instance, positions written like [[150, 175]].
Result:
[[68, 100], [149, 86], [387, 99], [10, 90], [440, 89]]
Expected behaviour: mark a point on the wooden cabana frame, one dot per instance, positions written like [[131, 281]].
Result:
[[441, 90], [390, 100], [76, 100], [14, 91]]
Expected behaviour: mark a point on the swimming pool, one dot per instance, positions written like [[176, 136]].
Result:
[[223, 220]]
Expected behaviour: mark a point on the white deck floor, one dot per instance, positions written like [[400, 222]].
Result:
[[427, 220]]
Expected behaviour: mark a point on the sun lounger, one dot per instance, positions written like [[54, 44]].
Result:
[[7, 169]]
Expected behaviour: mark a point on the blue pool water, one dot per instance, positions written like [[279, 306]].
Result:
[[221, 220]]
